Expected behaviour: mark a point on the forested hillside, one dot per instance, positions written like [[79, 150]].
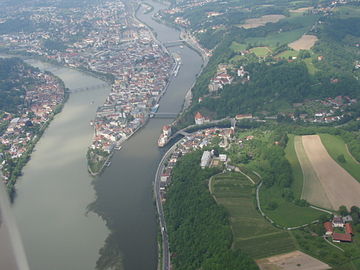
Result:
[[12, 84], [199, 230]]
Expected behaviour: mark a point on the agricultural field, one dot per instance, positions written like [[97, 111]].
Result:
[[295, 260], [237, 47], [252, 233], [274, 39], [312, 190], [287, 54], [286, 214], [261, 51], [291, 156], [300, 10], [256, 22], [339, 186], [347, 11], [306, 42], [336, 147]]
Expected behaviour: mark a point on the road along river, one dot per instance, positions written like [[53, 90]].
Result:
[[55, 192]]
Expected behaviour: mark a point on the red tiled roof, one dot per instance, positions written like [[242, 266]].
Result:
[[328, 226], [348, 228], [198, 115], [342, 237]]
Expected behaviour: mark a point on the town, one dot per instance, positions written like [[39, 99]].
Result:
[[116, 47], [44, 97]]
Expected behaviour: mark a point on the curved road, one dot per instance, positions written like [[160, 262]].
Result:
[[160, 210]]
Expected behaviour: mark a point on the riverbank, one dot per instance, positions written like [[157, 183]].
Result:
[[23, 129], [55, 185]]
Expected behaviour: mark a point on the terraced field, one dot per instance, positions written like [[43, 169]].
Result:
[[252, 233]]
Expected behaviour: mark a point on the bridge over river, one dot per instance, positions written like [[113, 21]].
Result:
[[164, 115], [89, 88], [174, 43]]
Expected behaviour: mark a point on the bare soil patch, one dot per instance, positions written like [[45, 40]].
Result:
[[340, 187], [304, 43], [313, 190], [256, 22], [295, 260]]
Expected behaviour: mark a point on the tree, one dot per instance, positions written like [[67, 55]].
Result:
[[343, 210], [341, 158]]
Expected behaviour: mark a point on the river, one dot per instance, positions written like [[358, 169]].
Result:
[[56, 190]]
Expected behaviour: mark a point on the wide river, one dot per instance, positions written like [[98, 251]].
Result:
[[55, 192]]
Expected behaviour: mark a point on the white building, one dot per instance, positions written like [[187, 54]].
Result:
[[205, 159]]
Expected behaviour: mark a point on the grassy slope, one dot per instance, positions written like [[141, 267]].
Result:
[[286, 54], [287, 213], [295, 166], [335, 147], [252, 233], [261, 51]]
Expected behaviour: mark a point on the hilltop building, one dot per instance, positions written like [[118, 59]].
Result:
[[199, 119]]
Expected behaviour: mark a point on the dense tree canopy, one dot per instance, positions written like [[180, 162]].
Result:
[[199, 231]]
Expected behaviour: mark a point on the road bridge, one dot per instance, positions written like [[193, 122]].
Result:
[[88, 88], [164, 115], [173, 43], [210, 124]]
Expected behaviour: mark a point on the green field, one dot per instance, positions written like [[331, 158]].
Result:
[[261, 51], [288, 53], [291, 156], [347, 11], [335, 147], [252, 233], [287, 214], [267, 245], [310, 66], [237, 47], [275, 39]]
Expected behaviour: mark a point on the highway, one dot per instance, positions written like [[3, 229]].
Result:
[[160, 210]]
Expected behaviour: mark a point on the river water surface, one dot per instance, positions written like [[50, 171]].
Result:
[[55, 191]]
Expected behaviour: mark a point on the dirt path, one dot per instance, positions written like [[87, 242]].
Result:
[[340, 187], [347, 149]]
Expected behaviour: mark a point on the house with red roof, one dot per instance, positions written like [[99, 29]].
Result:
[[341, 237], [348, 229], [329, 228], [199, 119]]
